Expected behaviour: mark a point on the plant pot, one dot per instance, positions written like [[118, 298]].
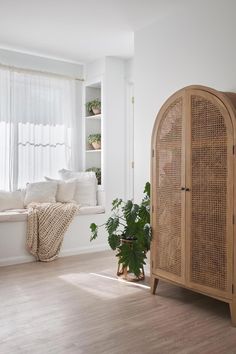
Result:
[[96, 145], [96, 111], [128, 240]]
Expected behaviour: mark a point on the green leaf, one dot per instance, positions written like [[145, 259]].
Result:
[[147, 238], [93, 227], [127, 209], [116, 203], [144, 214], [114, 241], [147, 189], [131, 229], [112, 224], [94, 231], [130, 211], [132, 256]]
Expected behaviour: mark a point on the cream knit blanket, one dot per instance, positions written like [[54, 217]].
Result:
[[47, 224]]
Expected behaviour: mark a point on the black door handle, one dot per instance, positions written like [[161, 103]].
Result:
[[187, 190], [182, 188]]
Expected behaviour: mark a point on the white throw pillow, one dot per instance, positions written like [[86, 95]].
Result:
[[40, 192], [68, 174], [65, 189], [86, 191], [11, 200], [86, 186]]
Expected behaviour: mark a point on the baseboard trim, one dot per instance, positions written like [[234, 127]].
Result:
[[64, 253], [16, 260], [80, 250]]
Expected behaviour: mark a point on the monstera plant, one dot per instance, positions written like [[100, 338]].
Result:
[[129, 231]]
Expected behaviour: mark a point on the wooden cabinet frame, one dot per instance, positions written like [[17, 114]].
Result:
[[225, 103]]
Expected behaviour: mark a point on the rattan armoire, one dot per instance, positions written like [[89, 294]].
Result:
[[193, 178]]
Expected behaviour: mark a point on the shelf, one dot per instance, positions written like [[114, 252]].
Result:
[[98, 150], [93, 124], [96, 116]]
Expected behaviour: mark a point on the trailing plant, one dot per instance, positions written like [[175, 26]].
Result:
[[97, 171], [128, 222], [96, 104], [93, 138]]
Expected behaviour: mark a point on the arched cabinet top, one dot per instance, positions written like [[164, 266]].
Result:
[[225, 100]]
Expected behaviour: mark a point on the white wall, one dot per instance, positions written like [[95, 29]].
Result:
[[193, 43], [35, 62], [129, 70], [114, 109], [112, 73]]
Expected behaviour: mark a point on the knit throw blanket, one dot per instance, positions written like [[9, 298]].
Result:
[[47, 224]]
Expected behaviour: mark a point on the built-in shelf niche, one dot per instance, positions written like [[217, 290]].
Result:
[[93, 124]]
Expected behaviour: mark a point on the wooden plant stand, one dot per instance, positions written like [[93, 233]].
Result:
[[124, 272]]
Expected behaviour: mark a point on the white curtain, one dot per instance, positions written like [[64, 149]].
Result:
[[37, 126]]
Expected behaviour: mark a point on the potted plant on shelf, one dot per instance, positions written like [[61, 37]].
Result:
[[129, 233], [97, 171], [95, 141], [94, 106]]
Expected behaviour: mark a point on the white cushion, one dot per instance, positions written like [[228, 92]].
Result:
[[86, 186], [11, 200], [68, 174], [22, 214], [98, 209], [86, 192], [65, 189], [13, 215], [40, 192]]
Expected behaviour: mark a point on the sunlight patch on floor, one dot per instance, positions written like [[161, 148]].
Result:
[[122, 280], [99, 285]]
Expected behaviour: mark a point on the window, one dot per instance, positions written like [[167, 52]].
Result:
[[37, 125]]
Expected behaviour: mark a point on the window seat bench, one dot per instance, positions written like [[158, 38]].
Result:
[[21, 214], [13, 226]]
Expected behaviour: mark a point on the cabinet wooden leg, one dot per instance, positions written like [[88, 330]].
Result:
[[154, 282], [232, 306]]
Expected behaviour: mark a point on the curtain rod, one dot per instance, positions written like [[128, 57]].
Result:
[[33, 71]]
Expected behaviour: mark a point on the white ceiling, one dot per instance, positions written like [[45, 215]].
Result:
[[75, 30]]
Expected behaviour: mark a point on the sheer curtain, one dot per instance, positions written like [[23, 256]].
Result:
[[37, 126]]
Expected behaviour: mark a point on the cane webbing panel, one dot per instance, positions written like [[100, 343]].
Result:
[[209, 194], [168, 155]]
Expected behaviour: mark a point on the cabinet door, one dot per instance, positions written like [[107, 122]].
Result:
[[209, 202], [168, 171]]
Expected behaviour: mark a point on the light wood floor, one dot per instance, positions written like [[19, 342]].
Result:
[[76, 305]]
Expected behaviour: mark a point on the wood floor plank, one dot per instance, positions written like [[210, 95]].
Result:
[[76, 305]]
